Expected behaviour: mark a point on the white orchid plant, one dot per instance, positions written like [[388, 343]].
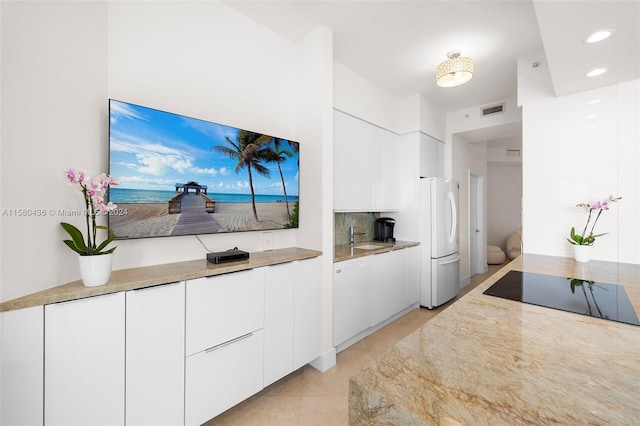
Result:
[[585, 239], [93, 191]]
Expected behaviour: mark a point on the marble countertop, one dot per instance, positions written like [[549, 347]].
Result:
[[148, 276], [490, 361], [346, 251]]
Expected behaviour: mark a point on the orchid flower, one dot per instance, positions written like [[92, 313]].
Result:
[[93, 191], [585, 239]]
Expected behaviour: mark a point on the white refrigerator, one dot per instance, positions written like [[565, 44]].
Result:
[[439, 232]]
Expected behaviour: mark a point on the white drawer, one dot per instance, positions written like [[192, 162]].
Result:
[[219, 378], [223, 307]]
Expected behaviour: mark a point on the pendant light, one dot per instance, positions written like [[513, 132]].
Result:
[[455, 71]]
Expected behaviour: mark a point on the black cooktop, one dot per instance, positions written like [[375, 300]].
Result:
[[595, 299]]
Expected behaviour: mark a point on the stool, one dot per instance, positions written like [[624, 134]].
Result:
[[495, 255]]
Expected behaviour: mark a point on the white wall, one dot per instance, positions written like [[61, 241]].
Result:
[[54, 101], [61, 61], [468, 157], [359, 97], [314, 124], [577, 151], [204, 60], [471, 120], [504, 202]]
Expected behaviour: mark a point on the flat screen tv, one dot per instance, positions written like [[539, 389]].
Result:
[[183, 176]]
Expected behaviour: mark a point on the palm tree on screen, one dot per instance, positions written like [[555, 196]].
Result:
[[250, 150], [276, 155]]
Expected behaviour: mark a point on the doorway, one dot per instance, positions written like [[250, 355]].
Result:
[[477, 232]]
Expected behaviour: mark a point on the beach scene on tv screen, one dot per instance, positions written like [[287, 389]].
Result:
[[183, 176]]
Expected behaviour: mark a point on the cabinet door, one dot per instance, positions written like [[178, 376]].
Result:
[[431, 156], [351, 299], [413, 273], [355, 163], [84, 361], [389, 294], [22, 357], [222, 376], [223, 307], [308, 311], [379, 168], [278, 322], [155, 355]]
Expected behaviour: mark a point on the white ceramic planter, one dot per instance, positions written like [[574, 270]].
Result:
[[95, 270], [582, 253]]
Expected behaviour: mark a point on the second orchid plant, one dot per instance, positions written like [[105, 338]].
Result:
[[587, 237]]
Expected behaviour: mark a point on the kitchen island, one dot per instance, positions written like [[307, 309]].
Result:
[[488, 360]]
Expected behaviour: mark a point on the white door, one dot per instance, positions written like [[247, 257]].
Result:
[[155, 355], [22, 360], [84, 370], [278, 321], [473, 224], [307, 320], [477, 236], [351, 298]]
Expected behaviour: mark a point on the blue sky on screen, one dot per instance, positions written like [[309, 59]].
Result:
[[152, 149]]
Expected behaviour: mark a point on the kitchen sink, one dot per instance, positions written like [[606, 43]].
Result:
[[371, 246]]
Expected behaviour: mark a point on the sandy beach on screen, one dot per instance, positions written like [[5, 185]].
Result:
[[144, 220]]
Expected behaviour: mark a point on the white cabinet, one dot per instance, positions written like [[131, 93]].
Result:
[[353, 153], [22, 357], [165, 355], [369, 290], [389, 288], [293, 317], [307, 320], [351, 298], [364, 178], [224, 342], [412, 259], [222, 376], [223, 307], [431, 156], [84, 365], [278, 321], [155, 321]]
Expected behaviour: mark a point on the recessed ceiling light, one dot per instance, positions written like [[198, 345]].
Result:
[[596, 72], [600, 35]]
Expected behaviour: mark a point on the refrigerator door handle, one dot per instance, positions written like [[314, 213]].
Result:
[[449, 261], [454, 218]]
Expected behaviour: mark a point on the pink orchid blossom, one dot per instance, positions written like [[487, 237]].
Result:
[[585, 239], [93, 191]]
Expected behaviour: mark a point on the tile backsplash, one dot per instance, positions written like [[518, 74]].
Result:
[[363, 223]]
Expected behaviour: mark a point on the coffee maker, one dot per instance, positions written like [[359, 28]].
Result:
[[384, 229]]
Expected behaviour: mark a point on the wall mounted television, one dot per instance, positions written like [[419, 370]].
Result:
[[179, 175]]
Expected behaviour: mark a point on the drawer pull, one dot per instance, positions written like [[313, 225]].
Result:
[[228, 342]]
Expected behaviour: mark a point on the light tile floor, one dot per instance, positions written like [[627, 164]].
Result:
[[308, 397]]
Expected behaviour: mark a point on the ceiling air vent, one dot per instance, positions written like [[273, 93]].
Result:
[[494, 109]]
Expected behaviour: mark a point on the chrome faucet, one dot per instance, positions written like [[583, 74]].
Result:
[[352, 235]]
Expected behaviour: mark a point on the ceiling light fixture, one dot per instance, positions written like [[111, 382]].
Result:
[[600, 35], [455, 71], [596, 72]]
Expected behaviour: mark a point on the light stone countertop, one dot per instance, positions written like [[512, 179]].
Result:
[[490, 361], [346, 251], [148, 276]]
